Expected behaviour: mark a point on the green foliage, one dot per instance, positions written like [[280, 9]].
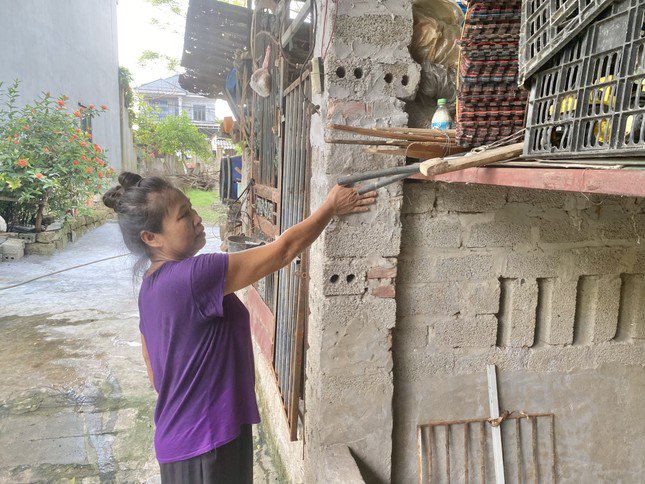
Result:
[[177, 134], [151, 57], [125, 83], [207, 205], [45, 157], [170, 136]]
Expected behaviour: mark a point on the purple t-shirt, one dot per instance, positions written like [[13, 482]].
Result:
[[199, 343]]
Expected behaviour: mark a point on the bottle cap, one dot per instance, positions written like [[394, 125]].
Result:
[[441, 102]]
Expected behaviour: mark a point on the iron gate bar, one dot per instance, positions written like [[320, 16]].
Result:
[[427, 429], [292, 290]]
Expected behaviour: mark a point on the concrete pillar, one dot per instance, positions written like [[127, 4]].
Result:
[[349, 385]]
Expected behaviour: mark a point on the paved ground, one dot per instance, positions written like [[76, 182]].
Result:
[[75, 403]]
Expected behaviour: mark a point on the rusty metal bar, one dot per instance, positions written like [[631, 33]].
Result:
[[429, 452], [518, 450], [553, 462], [466, 466], [482, 448], [534, 440], [448, 452], [483, 420]]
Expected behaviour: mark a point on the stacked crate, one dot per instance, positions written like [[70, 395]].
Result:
[[490, 106], [588, 98]]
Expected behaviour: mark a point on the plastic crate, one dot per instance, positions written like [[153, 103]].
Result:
[[590, 101], [548, 25]]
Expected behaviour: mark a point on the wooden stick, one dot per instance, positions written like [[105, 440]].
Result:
[[433, 132], [365, 142], [437, 166], [388, 134], [424, 150]]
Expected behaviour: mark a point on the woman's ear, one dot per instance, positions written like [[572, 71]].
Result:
[[151, 239]]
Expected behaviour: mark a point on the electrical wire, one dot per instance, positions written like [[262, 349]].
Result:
[[333, 28], [4, 288]]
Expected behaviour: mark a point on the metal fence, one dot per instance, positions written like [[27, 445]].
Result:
[[292, 282]]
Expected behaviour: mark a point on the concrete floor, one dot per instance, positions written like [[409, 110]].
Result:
[[75, 402]]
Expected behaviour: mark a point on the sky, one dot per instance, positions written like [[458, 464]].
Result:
[[137, 34]]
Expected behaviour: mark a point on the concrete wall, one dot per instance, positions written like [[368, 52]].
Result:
[[349, 386], [66, 47], [548, 286]]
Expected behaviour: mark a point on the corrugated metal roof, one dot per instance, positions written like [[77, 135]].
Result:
[[214, 32]]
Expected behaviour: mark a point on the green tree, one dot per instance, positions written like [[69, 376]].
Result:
[[177, 134], [174, 135], [47, 162]]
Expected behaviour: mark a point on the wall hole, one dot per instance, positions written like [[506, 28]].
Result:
[[340, 72], [358, 73], [334, 279], [405, 80], [388, 78], [351, 277]]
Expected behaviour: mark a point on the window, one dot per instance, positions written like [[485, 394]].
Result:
[[199, 112], [86, 120], [161, 107]]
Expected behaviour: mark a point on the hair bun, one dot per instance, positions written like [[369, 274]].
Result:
[[112, 196], [128, 180]]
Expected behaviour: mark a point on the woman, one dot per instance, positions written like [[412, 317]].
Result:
[[195, 332]]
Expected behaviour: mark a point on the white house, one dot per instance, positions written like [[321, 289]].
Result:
[[170, 99]]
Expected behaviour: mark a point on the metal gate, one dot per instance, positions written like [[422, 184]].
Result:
[[293, 280]]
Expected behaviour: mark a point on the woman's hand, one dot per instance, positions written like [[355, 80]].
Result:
[[346, 200]]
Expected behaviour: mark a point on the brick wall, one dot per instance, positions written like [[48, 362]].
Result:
[[540, 283]]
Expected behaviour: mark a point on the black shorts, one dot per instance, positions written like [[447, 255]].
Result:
[[231, 463]]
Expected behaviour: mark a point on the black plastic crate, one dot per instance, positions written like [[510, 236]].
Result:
[[590, 100], [548, 25]]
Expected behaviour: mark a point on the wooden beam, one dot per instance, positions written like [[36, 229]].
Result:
[[296, 24], [626, 182], [267, 192], [438, 166]]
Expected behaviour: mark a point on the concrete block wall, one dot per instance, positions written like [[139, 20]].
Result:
[[349, 387], [548, 286]]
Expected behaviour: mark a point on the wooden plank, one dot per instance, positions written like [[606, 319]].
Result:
[[266, 227], [496, 431], [296, 24], [438, 166], [267, 192], [629, 183]]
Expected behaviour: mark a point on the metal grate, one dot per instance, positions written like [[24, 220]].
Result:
[[292, 291], [591, 100], [460, 451], [547, 26]]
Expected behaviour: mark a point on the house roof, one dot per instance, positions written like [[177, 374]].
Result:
[[169, 85], [214, 32]]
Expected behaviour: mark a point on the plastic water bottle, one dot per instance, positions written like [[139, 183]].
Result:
[[441, 118]]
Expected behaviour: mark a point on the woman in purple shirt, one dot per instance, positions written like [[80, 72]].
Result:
[[194, 330]]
